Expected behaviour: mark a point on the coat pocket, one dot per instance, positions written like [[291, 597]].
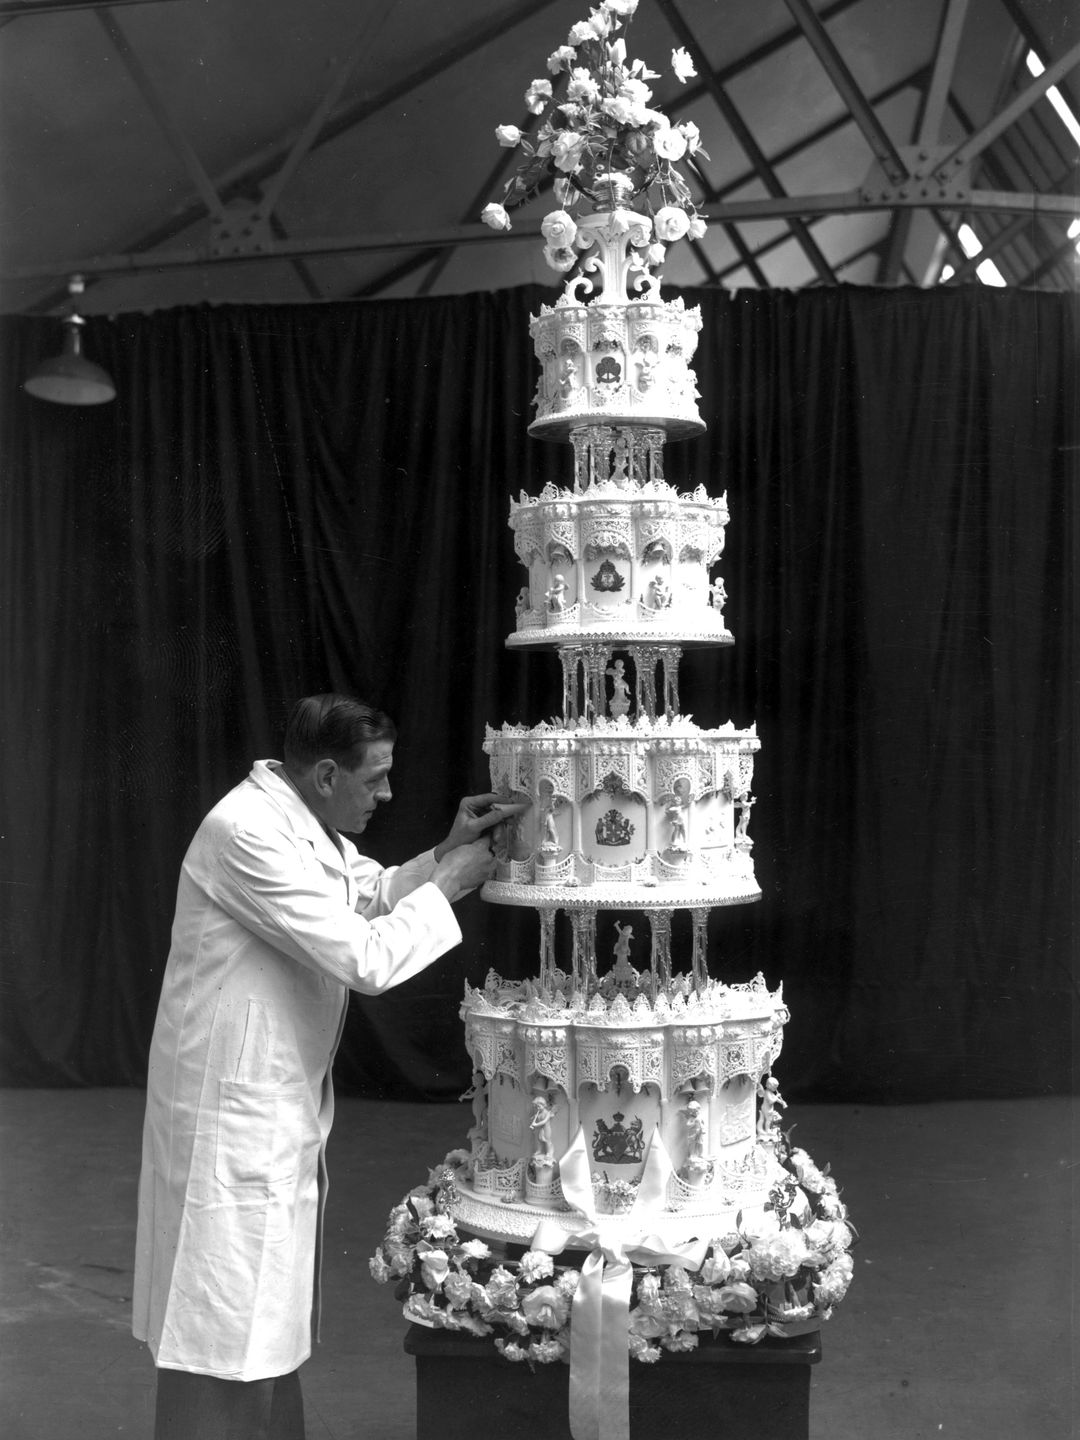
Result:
[[260, 1132]]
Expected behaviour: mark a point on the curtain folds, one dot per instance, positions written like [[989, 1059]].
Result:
[[285, 499]]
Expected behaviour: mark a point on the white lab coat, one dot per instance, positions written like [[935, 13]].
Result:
[[273, 926]]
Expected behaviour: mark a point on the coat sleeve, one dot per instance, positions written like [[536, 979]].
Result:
[[273, 890], [379, 889]]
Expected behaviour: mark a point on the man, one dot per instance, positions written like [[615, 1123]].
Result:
[[277, 918]]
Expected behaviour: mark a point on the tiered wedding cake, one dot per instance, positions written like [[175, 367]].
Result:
[[621, 1112]]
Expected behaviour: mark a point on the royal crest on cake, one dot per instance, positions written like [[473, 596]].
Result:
[[626, 1121]]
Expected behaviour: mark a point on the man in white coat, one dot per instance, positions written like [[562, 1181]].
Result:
[[277, 918]]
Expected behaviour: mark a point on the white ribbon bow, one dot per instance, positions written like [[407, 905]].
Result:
[[599, 1344]]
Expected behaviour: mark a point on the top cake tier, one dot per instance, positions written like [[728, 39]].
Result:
[[609, 356]]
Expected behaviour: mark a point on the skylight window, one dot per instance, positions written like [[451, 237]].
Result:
[[1057, 100], [971, 245]]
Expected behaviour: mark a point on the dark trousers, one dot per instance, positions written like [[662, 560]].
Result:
[[203, 1407]]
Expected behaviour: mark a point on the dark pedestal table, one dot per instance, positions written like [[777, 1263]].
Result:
[[465, 1390]]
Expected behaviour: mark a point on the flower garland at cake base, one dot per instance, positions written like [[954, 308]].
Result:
[[784, 1283]]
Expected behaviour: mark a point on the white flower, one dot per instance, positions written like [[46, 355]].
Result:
[[558, 229], [775, 1257], [561, 58], [622, 110], [536, 1264], [682, 65], [827, 1237], [508, 136], [669, 144], [566, 148], [637, 91], [832, 1286], [696, 230], [692, 134], [537, 96], [434, 1267], [582, 86], [438, 1227], [560, 259], [511, 1350], [619, 7], [599, 23], [545, 1307], [495, 216], [682, 1341], [640, 1349], [457, 1287], [566, 1283], [716, 1268], [738, 1297], [475, 1249], [545, 1351], [671, 223], [380, 1270], [580, 33]]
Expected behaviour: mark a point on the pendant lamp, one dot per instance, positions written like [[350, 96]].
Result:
[[69, 378]]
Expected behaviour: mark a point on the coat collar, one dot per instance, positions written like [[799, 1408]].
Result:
[[269, 776]]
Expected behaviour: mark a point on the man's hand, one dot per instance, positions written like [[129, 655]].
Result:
[[464, 868], [476, 815]]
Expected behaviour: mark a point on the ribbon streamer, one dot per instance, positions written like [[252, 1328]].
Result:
[[599, 1344]]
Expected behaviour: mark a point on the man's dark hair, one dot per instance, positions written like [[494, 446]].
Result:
[[333, 727]]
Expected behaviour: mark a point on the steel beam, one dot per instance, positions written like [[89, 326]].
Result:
[[745, 138], [862, 112], [844, 202]]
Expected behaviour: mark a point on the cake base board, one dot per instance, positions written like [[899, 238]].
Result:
[[556, 637], [722, 1388], [628, 896], [562, 425], [515, 1221]]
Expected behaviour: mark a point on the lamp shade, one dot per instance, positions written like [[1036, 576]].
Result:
[[69, 378]]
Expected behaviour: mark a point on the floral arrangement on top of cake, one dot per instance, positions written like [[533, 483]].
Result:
[[601, 141]]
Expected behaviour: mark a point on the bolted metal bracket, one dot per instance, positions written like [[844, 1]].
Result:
[[240, 230], [933, 179]]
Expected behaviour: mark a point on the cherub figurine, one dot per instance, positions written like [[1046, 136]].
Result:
[[555, 595], [620, 697], [676, 817], [622, 944], [540, 1122], [695, 1130], [768, 1121], [661, 593]]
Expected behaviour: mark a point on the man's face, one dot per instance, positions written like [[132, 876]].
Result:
[[357, 792]]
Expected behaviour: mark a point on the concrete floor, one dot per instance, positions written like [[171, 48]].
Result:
[[959, 1323]]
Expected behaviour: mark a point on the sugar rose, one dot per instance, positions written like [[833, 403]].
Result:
[[738, 1298], [671, 223], [559, 229], [545, 1307], [669, 143], [495, 216], [434, 1267], [508, 136]]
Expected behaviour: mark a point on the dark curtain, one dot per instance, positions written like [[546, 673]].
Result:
[[284, 500]]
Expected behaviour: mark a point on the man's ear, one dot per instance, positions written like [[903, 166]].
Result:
[[324, 774]]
